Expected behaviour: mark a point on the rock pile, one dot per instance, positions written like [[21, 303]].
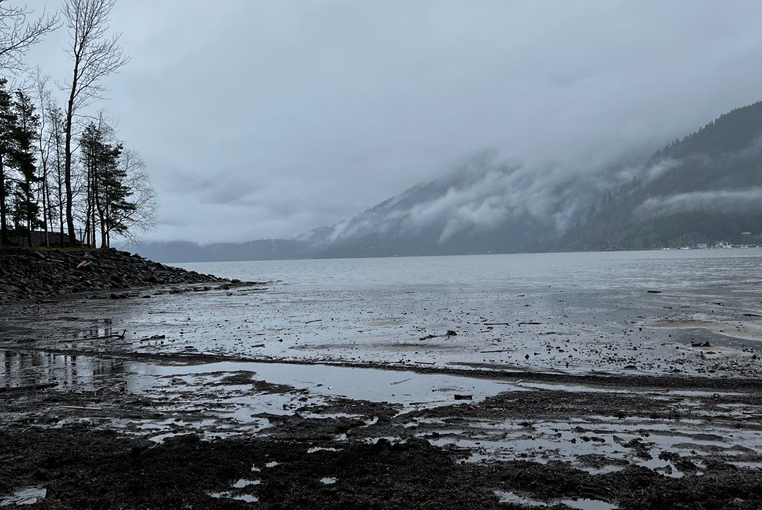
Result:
[[29, 274]]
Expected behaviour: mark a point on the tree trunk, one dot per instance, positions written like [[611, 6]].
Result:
[[3, 230], [104, 234], [45, 204], [68, 155], [67, 176]]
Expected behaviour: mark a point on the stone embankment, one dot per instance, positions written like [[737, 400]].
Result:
[[34, 274]]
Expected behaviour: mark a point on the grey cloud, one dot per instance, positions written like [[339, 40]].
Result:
[[487, 191], [267, 119]]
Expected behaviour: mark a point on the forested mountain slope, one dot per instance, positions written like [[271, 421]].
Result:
[[705, 188]]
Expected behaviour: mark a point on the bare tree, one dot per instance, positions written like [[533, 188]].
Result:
[[55, 134], [18, 33], [44, 146], [95, 55], [143, 217]]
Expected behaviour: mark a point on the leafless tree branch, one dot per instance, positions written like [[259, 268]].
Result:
[[18, 33], [95, 55]]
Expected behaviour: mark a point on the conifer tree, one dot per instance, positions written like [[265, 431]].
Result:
[[108, 191], [7, 120], [26, 205]]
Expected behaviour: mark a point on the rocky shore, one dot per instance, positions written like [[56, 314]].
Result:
[[42, 273]]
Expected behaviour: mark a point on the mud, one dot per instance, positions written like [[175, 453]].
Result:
[[216, 435], [184, 410]]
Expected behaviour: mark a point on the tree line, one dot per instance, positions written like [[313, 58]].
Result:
[[65, 177]]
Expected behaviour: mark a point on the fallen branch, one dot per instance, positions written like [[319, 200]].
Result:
[[104, 337], [448, 334], [154, 337], [29, 388]]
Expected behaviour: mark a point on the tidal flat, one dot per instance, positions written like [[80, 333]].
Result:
[[515, 393]]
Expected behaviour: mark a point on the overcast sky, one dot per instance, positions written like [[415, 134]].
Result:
[[261, 119]]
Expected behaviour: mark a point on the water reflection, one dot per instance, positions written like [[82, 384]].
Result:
[[31, 368]]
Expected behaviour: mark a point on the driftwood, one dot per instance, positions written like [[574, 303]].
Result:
[[446, 335], [119, 336], [151, 338], [106, 337], [315, 320], [29, 388]]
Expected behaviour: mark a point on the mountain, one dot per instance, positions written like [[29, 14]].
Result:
[[485, 206], [705, 188]]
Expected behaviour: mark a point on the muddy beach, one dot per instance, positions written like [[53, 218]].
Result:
[[272, 397]]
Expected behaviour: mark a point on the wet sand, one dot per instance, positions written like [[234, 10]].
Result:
[[255, 397]]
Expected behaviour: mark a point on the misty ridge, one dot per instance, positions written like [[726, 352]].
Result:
[[703, 188]]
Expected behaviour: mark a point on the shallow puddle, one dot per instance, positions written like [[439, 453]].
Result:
[[19, 369], [24, 496], [407, 388], [600, 445], [577, 503]]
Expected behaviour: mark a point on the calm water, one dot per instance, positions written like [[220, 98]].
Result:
[[676, 269]]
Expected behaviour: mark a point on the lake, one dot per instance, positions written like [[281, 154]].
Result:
[[592, 271]]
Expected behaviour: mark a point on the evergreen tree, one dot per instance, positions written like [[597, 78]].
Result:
[[108, 190], [26, 206], [115, 208], [7, 122]]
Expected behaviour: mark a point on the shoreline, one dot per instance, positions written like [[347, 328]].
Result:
[[252, 397], [29, 274]]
